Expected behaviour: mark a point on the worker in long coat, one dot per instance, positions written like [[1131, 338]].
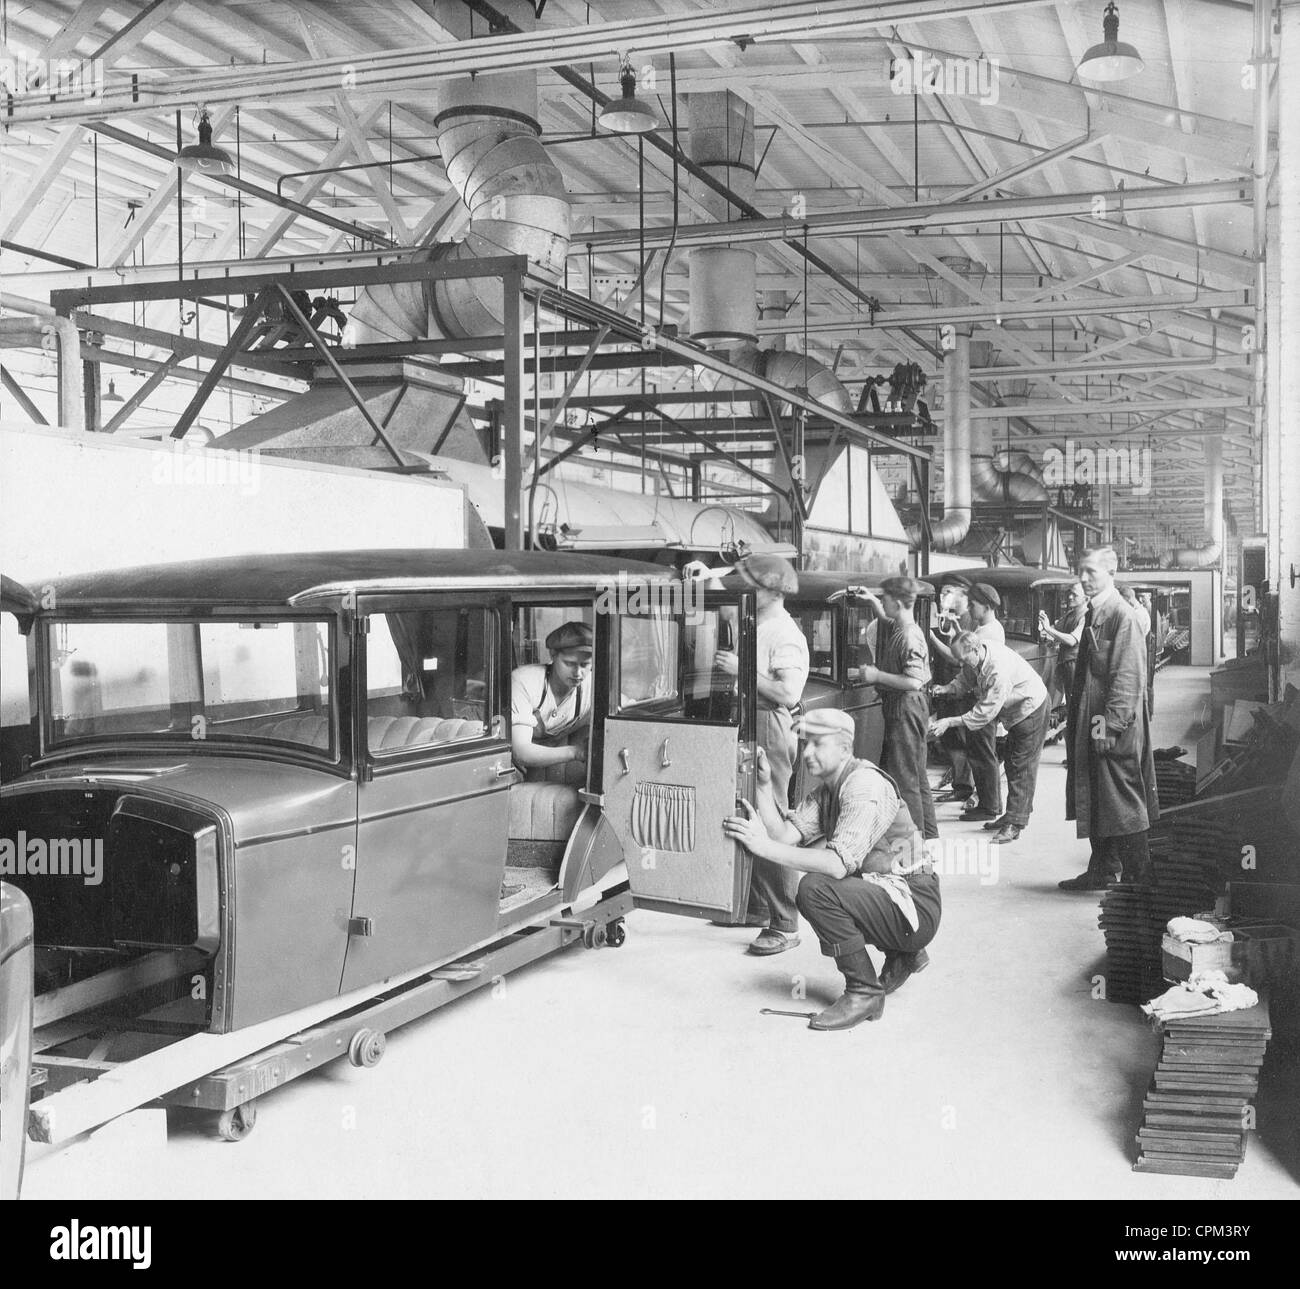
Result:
[[1110, 789]]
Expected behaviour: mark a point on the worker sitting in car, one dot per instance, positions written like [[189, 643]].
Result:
[[551, 705], [872, 880]]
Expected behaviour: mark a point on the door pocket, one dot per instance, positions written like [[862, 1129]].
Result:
[[663, 817]]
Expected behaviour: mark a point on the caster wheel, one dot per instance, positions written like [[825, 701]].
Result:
[[615, 934], [367, 1048], [594, 937], [235, 1124]]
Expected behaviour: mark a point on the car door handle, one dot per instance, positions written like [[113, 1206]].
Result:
[[501, 769], [664, 762], [626, 762]]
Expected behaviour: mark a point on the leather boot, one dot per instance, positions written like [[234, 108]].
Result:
[[898, 966], [862, 999]]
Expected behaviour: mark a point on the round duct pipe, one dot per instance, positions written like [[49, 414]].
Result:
[[1204, 556], [724, 280]]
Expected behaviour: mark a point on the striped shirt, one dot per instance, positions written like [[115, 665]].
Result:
[[859, 813]]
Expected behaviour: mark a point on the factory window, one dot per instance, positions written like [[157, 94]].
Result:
[[428, 678]]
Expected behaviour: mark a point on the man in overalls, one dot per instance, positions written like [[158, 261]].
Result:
[[901, 676], [550, 706], [782, 674], [869, 881]]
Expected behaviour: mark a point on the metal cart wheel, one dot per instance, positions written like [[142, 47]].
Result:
[[615, 934], [235, 1124], [367, 1048]]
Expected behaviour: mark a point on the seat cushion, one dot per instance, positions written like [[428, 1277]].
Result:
[[308, 728], [388, 733], [543, 811]]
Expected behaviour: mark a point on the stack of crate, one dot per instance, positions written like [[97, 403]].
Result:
[[1198, 1109]]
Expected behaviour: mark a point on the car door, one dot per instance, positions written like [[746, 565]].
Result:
[[432, 744], [675, 749]]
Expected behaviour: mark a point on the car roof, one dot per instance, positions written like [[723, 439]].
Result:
[[322, 578], [1005, 575]]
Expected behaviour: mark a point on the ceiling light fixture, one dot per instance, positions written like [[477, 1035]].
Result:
[[204, 157], [1112, 59], [112, 396], [629, 115]]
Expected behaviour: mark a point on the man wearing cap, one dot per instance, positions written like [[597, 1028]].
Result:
[[975, 748], [1110, 779], [867, 879], [782, 673], [1009, 690], [954, 616], [1066, 632], [550, 706], [901, 674]]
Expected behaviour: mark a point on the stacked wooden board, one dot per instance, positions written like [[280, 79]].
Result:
[[1197, 1110], [1188, 863]]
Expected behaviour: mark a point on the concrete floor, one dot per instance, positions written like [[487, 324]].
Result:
[[648, 1071]]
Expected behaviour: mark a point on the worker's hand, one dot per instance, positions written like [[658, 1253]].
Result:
[[725, 660], [868, 675], [1043, 621], [941, 727], [748, 830], [1104, 746], [762, 770]]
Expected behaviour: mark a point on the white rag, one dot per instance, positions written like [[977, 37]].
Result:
[[1207, 993], [1197, 931], [898, 890]]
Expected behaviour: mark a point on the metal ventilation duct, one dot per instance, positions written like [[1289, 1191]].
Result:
[[1204, 556]]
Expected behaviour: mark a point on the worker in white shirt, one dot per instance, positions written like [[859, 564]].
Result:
[[782, 673], [550, 705], [1009, 690]]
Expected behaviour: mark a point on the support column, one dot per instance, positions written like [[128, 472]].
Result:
[[1288, 252]]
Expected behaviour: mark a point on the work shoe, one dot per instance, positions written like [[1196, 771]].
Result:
[[1089, 881], [976, 816], [1006, 835], [898, 966], [944, 797], [849, 1009], [994, 824], [770, 941]]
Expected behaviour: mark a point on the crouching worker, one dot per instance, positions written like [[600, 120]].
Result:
[[867, 879]]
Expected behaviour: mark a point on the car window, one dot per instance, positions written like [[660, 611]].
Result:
[[429, 678], [862, 630], [668, 667], [209, 681], [1016, 612], [818, 627]]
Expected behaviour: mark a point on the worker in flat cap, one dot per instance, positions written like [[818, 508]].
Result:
[[901, 674], [782, 674], [973, 751], [867, 876], [550, 704]]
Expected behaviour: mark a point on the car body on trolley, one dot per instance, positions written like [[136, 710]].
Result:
[[265, 782]]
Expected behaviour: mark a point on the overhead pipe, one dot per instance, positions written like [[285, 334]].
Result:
[[61, 336], [952, 528], [723, 279], [1204, 556]]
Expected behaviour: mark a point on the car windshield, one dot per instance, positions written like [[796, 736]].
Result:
[[212, 680]]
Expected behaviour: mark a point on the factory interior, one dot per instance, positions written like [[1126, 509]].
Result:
[[417, 328]]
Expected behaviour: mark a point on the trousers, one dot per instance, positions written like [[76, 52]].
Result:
[[980, 751], [848, 914], [771, 887], [1024, 749], [907, 715]]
